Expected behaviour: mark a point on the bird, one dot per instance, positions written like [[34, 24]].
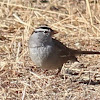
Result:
[[49, 53]]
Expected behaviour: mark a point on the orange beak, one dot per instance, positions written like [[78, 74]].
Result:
[[54, 32]]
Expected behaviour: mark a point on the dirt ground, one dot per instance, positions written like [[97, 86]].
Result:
[[78, 26]]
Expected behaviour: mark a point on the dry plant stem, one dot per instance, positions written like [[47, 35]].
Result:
[[78, 26]]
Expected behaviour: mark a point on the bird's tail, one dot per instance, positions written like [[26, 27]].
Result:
[[87, 52]]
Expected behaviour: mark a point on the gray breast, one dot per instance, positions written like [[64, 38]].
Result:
[[39, 55]]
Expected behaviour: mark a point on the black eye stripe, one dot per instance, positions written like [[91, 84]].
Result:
[[37, 31]]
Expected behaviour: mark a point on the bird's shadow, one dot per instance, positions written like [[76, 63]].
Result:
[[82, 81], [90, 82]]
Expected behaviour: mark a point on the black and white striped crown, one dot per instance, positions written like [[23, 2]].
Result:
[[44, 27]]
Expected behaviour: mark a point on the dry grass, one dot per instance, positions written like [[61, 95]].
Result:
[[78, 24]]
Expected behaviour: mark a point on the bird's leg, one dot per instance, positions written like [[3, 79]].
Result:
[[45, 71], [59, 70]]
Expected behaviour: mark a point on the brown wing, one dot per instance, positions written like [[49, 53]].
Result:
[[65, 53]]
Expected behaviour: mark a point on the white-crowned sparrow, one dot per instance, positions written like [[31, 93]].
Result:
[[49, 53]]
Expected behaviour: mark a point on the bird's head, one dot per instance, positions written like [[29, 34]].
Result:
[[42, 35]]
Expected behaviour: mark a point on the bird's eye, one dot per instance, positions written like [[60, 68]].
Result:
[[35, 31], [46, 31]]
